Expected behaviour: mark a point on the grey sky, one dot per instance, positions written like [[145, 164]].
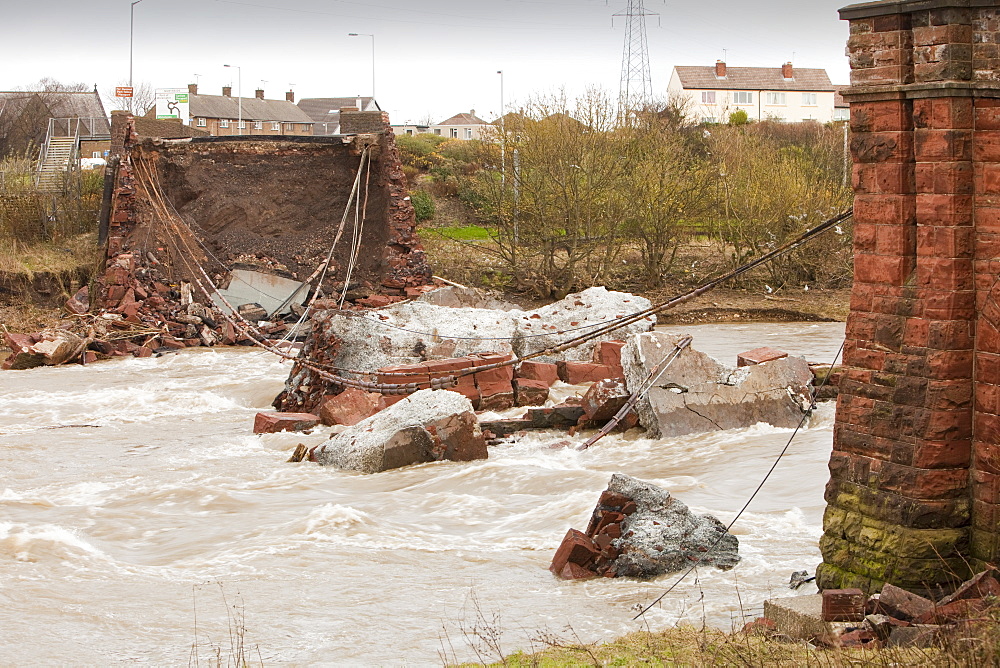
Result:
[[433, 57]]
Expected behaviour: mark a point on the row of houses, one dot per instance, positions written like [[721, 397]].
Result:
[[710, 93]]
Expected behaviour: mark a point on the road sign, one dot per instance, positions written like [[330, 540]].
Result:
[[123, 91], [172, 103]]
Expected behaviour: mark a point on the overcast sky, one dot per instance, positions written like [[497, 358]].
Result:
[[432, 57]]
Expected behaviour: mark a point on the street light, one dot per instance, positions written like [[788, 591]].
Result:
[[503, 139], [239, 96], [131, 27], [365, 34]]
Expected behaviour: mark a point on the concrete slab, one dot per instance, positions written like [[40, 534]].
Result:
[[255, 287], [801, 617]]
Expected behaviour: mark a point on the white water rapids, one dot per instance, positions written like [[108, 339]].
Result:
[[142, 522]]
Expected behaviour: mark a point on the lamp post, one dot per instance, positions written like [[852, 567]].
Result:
[[365, 34], [131, 28], [503, 137], [239, 96]]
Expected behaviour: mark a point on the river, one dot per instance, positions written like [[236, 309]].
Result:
[[142, 522]]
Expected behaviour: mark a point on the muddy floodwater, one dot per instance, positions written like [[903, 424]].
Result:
[[142, 522]]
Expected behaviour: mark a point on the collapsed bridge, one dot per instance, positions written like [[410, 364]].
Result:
[[195, 211]]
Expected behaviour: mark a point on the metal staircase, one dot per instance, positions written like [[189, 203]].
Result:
[[59, 156]]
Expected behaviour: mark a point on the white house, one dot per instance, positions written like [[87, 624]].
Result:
[[459, 126], [766, 93]]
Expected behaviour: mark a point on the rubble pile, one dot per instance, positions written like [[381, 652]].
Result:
[[430, 425], [638, 530], [697, 394], [892, 618], [419, 331]]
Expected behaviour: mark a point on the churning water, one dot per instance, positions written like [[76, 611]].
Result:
[[142, 522]]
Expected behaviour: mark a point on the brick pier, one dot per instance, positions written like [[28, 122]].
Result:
[[914, 491]]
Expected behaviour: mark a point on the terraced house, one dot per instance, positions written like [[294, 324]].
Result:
[[788, 94], [221, 115]]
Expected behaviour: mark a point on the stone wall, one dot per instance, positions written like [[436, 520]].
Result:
[[915, 471]]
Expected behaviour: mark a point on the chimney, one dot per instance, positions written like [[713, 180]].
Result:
[[259, 93], [227, 91], [360, 104], [192, 89], [786, 71], [472, 112], [290, 96], [720, 69]]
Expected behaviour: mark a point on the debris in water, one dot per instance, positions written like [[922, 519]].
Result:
[[639, 530]]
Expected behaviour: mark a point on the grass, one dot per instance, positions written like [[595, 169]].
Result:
[[56, 257], [463, 233], [688, 646]]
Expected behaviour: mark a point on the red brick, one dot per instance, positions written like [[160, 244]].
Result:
[[575, 373], [529, 392], [881, 269], [576, 548], [609, 353], [268, 422], [349, 407], [759, 356], [843, 605], [543, 371], [947, 454]]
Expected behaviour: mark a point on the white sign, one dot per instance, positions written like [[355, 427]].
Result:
[[173, 103]]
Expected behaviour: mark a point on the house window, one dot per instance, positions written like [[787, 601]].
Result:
[[289, 127], [742, 97], [95, 154], [708, 119], [409, 132], [223, 122], [243, 125], [201, 123], [437, 131], [776, 98], [454, 133], [708, 97], [258, 125], [809, 99], [275, 126], [468, 133]]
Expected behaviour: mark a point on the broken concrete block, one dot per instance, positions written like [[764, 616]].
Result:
[[695, 393], [528, 392], [593, 305], [843, 605], [57, 346], [800, 617], [543, 371], [349, 407], [429, 425], [759, 356], [639, 530], [252, 312], [917, 636], [270, 422], [452, 296]]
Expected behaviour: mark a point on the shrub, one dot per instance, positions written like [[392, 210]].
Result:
[[423, 205]]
